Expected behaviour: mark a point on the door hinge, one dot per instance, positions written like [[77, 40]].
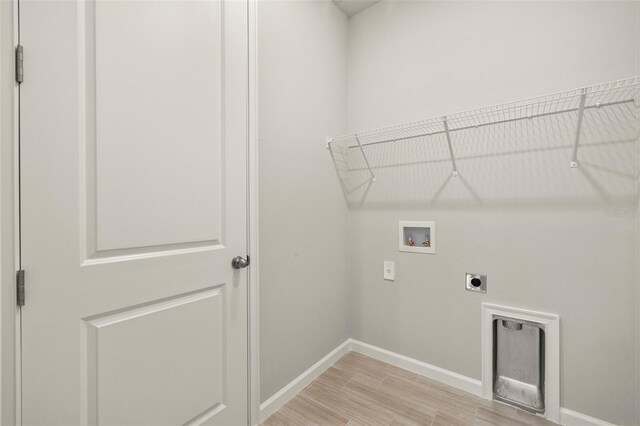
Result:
[[19, 64], [20, 287]]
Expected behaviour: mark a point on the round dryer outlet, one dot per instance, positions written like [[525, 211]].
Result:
[[475, 282]]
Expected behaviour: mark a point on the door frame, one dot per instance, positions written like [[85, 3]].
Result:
[[252, 225], [9, 217], [10, 386]]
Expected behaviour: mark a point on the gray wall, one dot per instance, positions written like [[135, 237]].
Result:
[[549, 237], [303, 219]]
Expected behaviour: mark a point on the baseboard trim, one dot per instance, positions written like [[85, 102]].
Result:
[[296, 386], [572, 418], [447, 377], [467, 384]]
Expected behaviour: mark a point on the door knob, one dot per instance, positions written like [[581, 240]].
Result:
[[240, 262]]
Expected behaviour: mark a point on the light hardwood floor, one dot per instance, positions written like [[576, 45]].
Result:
[[358, 390]]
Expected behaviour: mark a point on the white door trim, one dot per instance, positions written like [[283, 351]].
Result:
[[253, 308], [9, 247]]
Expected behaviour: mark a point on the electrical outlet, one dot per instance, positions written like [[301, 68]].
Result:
[[389, 270]]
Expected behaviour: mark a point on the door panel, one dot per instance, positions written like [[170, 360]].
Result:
[[158, 153], [136, 357], [133, 203]]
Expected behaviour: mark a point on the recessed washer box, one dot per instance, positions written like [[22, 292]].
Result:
[[417, 236]]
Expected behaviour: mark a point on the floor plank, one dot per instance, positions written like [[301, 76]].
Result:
[[358, 390]]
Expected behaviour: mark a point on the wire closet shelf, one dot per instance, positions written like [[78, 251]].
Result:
[[577, 101]]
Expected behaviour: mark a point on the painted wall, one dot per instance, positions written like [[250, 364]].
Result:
[[550, 238], [302, 49]]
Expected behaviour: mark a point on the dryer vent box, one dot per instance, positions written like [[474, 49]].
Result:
[[518, 363]]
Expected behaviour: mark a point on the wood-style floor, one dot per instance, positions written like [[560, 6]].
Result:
[[358, 390]]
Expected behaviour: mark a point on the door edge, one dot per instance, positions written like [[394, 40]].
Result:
[[252, 222]]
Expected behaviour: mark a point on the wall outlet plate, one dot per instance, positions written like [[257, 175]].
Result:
[[475, 282], [389, 270]]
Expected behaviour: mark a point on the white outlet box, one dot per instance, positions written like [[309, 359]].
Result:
[[389, 270], [417, 236]]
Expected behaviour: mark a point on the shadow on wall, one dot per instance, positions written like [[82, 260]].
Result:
[[516, 156]]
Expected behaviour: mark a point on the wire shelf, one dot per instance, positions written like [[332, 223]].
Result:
[[349, 149]]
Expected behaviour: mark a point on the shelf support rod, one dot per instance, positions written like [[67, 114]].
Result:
[[373, 177], [574, 156], [453, 158]]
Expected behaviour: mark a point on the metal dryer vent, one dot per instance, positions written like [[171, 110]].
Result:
[[518, 363]]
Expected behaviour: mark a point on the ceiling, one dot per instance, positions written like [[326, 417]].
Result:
[[351, 7]]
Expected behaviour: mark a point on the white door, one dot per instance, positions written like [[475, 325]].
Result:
[[133, 118]]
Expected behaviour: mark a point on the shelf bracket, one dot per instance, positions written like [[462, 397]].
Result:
[[574, 156], [373, 177], [453, 158]]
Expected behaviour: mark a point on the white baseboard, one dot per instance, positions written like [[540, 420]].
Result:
[[473, 386], [447, 377], [572, 418], [285, 394]]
